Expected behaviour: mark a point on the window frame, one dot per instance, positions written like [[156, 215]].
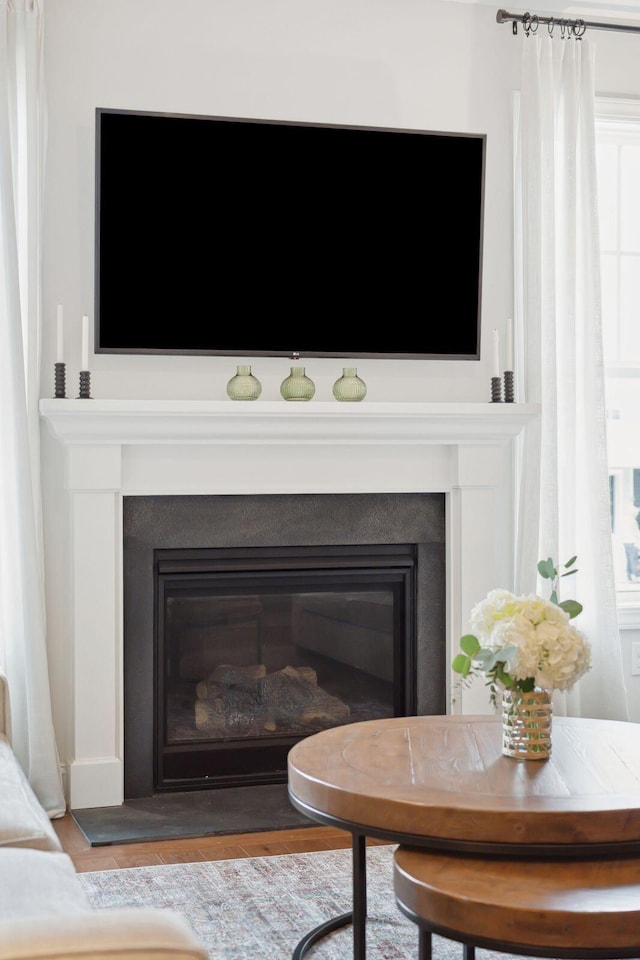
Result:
[[612, 116]]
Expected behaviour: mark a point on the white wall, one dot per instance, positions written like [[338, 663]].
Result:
[[427, 64], [430, 64]]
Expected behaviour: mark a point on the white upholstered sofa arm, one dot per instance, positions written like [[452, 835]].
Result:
[[127, 934]]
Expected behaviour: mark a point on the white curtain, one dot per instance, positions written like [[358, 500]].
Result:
[[564, 489], [23, 653]]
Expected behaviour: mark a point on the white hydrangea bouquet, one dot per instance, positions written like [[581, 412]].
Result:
[[525, 643]]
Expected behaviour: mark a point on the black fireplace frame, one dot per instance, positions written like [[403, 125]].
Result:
[[196, 764], [220, 521]]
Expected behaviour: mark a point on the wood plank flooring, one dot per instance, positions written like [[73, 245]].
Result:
[[263, 844]]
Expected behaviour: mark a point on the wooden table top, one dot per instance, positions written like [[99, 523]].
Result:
[[571, 907], [445, 777]]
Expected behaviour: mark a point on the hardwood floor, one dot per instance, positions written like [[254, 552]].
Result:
[[265, 844]]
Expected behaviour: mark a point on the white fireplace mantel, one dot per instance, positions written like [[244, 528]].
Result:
[[265, 422], [117, 448]]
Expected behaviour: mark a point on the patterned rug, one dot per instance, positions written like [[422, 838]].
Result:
[[261, 907]]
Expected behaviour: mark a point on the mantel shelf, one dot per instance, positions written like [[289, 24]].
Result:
[[133, 422]]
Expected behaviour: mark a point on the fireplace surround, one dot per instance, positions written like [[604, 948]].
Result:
[[348, 540], [101, 451]]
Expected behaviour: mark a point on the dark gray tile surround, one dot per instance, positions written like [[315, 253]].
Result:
[[182, 522]]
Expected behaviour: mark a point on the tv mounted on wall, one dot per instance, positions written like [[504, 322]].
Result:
[[244, 237]]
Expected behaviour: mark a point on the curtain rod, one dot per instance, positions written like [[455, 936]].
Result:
[[575, 27]]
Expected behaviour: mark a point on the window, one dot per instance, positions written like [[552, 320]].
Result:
[[618, 165]]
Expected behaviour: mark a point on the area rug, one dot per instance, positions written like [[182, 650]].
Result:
[[261, 907]]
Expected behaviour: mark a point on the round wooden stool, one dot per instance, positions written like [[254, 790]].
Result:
[[547, 908]]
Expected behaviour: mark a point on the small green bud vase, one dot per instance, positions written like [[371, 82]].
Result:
[[297, 386], [244, 386], [350, 386]]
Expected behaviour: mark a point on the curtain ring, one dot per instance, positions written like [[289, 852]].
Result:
[[550, 25], [579, 29]]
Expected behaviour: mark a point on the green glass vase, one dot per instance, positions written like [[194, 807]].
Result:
[[297, 386], [244, 386], [349, 387]]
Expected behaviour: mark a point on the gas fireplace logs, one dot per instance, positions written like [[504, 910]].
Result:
[[250, 701]]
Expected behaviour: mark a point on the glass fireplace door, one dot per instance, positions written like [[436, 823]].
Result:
[[250, 661]]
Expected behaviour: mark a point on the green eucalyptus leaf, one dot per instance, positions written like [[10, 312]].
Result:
[[570, 563], [546, 569], [487, 659], [554, 597], [572, 607], [461, 664], [506, 679], [509, 652], [496, 659], [570, 573], [469, 644]]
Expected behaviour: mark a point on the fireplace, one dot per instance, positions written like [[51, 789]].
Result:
[[103, 454], [253, 621], [256, 648]]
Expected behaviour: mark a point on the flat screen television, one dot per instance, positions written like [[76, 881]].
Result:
[[244, 237]]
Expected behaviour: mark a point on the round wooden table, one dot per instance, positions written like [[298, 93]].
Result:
[[442, 782]]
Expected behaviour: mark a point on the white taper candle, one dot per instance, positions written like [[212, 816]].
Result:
[[496, 355], [85, 343], [59, 336]]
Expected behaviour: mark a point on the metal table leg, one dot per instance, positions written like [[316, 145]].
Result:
[[357, 916], [359, 867]]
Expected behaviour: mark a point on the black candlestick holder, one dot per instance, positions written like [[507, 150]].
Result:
[[496, 390], [60, 381], [508, 386], [85, 385]]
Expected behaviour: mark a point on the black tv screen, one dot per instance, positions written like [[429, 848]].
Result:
[[242, 237]]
